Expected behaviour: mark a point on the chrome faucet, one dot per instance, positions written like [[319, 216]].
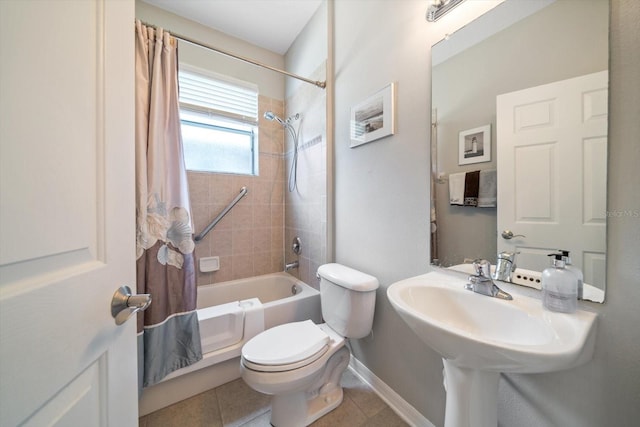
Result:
[[505, 267], [481, 282], [291, 266]]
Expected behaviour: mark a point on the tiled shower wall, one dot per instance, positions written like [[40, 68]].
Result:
[[249, 239], [306, 207], [255, 237]]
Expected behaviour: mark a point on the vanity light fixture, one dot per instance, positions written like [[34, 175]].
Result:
[[437, 8]]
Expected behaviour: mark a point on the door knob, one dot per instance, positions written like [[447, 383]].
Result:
[[508, 235], [124, 304]]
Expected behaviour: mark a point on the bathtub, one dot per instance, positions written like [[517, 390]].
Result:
[[230, 313]]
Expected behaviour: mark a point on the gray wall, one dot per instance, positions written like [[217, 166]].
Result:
[[561, 42], [382, 188], [382, 216]]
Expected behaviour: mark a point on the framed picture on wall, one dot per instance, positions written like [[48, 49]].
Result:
[[374, 118], [475, 145]]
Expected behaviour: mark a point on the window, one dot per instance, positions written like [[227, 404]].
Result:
[[219, 120]]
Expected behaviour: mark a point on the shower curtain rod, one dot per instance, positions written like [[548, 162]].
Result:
[[317, 83]]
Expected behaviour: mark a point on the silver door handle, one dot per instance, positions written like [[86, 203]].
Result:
[[508, 235], [124, 304]]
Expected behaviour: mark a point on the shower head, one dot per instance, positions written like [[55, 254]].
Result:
[[296, 116], [270, 116], [294, 162]]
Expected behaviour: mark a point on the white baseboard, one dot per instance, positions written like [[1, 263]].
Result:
[[404, 410]]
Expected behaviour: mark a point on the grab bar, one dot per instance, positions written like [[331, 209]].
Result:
[[243, 192]]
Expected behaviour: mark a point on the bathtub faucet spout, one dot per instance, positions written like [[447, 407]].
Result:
[[291, 266]]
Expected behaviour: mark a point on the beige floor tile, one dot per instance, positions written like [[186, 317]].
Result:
[[263, 420], [240, 404], [347, 414], [236, 405], [198, 411], [361, 394], [385, 418]]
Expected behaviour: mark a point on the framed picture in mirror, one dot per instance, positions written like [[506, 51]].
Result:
[[475, 145]]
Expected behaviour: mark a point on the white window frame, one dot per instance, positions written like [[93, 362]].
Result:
[[223, 100]]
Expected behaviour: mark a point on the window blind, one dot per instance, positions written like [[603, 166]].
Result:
[[218, 96]]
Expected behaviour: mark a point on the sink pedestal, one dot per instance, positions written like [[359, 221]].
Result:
[[472, 396], [480, 337]]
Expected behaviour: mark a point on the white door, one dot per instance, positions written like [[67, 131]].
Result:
[[66, 212], [552, 173]]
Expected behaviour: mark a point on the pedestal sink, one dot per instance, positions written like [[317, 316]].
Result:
[[480, 337]]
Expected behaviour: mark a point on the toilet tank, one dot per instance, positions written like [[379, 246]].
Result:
[[348, 299]]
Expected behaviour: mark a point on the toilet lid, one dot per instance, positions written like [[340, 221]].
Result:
[[286, 344]]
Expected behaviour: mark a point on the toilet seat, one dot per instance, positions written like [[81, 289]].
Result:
[[285, 367], [285, 347]]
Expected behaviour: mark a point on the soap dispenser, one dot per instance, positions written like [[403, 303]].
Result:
[[559, 287], [575, 270]]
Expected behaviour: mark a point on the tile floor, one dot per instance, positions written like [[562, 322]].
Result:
[[236, 405]]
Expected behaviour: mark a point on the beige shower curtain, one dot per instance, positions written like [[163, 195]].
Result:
[[168, 333]]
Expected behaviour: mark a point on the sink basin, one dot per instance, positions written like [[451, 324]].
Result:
[[479, 337], [480, 332]]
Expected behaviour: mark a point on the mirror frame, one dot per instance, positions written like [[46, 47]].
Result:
[[501, 12]]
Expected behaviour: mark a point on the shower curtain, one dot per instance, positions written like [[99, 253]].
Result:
[[168, 332]]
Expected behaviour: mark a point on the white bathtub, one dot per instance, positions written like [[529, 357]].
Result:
[[284, 298], [231, 313]]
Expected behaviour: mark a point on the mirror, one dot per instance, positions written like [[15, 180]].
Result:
[[498, 91]]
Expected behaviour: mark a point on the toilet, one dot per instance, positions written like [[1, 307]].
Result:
[[300, 363]]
